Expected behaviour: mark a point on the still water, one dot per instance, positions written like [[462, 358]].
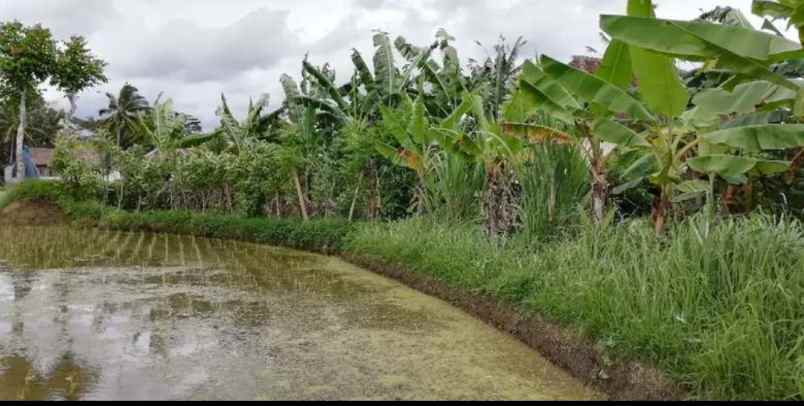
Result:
[[91, 314]]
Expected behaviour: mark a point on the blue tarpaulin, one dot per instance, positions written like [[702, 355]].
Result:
[[31, 171]]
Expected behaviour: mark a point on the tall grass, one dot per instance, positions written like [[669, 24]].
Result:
[[553, 181], [719, 306], [453, 190]]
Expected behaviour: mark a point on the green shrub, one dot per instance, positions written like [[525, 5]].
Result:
[[82, 177], [33, 190]]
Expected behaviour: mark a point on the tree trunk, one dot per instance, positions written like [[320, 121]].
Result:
[[73, 99], [420, 196], [600, 186], [599, 198], [119, 137], [499, 202], [354, 199], [661, 208], [300, 192], [21, 138], [278, 209]]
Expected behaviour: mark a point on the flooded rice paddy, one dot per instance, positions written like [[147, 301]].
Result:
[[91, 314]]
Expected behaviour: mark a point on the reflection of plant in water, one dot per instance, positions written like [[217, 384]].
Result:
[[68, 380]]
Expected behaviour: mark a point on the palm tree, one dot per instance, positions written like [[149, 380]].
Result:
[[122, 114]]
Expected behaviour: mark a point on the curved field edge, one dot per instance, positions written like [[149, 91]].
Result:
[[716, 307]]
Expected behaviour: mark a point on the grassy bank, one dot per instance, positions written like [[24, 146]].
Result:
[[324, 236], [717, 305]]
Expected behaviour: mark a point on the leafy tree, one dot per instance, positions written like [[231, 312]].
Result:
[[28, 57], [44, 124], [77, 69]]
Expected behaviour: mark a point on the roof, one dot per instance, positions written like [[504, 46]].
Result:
[[42, 156], [589, 64]]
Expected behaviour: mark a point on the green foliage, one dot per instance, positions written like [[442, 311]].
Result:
[[793, 10], [44, 123], [78, 165], [555, 182], [453, 191], [33, 190], [122, 116], [28, 55], [518, 146], [77, 69]]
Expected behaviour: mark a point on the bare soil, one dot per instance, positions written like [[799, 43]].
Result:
[[32, 213]]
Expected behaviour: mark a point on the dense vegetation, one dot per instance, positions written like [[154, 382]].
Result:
[[652, 207]]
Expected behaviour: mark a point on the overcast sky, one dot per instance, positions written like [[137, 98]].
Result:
[[194, 50]]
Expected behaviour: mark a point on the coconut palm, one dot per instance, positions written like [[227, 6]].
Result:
[[122, 115]]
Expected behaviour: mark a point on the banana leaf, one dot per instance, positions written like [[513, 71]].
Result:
[[659, 82], [594, 90], [735, 169], [758, 138]]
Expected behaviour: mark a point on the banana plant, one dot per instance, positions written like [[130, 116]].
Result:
[[583, 102], [367, 90], [470, 133], [414, 142], [301, 135], [164, 129], [256, 125], [669, 140], [446, 78], [745, 53]]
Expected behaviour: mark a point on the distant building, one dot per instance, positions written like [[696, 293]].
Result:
[[589, 64], [43, 159]]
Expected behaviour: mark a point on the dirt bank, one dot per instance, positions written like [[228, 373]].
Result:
[[565, 348], [32, 213]]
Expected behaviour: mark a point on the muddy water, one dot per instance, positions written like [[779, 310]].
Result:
[[88, 314]]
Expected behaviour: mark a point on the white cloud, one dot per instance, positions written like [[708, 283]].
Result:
[[195, 50]]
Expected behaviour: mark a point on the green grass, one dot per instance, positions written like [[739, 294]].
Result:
[[717, 305], [31, 190], [326, 236]]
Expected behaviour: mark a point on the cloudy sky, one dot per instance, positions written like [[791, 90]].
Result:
[[194, 50]]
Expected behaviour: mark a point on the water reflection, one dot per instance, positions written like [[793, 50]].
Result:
[[89, 314]]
